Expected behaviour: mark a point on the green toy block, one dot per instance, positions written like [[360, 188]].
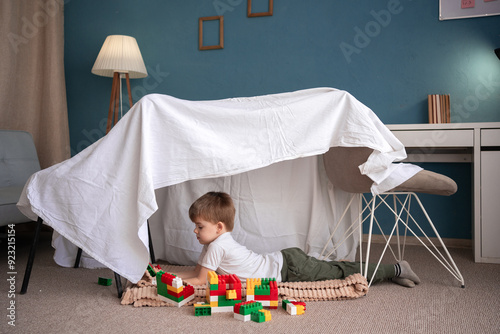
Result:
[[249, 308], [161, 288], [284, 302], [105, 281], [158, 276], [175, 299], [258, 316], [225, 302], [151, 271], [262, 290], [204, 310]]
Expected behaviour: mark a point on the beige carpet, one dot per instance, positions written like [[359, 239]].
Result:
[[67, 300]]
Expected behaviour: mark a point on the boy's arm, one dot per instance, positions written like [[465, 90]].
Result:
[[189, 273], [200, 278]]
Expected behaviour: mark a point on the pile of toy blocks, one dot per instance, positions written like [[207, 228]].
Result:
[[251, 310], [263, 290], [223, 292], [170, 288], [293, 307]]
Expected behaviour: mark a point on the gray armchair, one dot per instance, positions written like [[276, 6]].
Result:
[[18, 161]]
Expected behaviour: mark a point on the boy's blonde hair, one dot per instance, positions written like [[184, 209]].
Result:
[[214, 207]]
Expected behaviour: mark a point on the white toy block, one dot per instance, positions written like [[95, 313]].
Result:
[[222, 309], [178, 304], [177, 282], [243, 317]]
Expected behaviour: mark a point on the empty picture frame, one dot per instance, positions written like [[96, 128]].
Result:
[[268, 13], [221, 33]]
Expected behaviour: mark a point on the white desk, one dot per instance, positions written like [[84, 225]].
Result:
[[476, 143]]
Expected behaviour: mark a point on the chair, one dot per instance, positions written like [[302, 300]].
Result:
[[18, 161], [341, 165]]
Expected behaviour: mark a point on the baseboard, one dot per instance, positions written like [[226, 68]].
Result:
[[413, 241]]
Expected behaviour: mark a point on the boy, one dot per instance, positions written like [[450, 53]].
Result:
[[213, 214]]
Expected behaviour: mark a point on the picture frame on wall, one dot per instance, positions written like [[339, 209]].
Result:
[[201, 20], [268, 13], [462, 9]]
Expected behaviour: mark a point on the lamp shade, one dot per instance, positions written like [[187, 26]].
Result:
[[120, 54]]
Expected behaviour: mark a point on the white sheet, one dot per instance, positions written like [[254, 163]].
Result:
[[101, 198]]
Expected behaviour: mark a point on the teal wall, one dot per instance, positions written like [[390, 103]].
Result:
[[389, 54]]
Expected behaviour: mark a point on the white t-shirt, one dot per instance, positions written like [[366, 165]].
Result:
[[227, 257]]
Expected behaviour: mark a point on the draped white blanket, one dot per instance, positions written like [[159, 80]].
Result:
[[101, 198]]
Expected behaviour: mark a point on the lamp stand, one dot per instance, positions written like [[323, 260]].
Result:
[[115, 98]]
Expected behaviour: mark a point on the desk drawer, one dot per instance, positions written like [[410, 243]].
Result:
[[436, 138], [490, 137]]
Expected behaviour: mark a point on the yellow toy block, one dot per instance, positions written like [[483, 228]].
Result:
[[273, 303], [231, 294], [300, 309], [176, 290], [212, 277], [251, 283], [267, 314]]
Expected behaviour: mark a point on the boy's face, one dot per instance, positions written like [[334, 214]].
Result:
[[206, 232]]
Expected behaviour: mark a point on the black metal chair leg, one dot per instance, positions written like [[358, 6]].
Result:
[[151, 250], [78, 257], [31, 257], [119, 289]]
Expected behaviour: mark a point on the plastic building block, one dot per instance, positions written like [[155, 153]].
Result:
[[151, 271], [202, 309], [230, 294], [246, 308], [223, 292], [294, 307], [105, 281], [261, 316], [242, 317], [264, 290], [212, 277], [222, 309], [171, 289]]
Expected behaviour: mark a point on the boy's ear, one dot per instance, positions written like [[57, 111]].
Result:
[[220, 226]]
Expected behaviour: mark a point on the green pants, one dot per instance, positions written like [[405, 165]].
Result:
[[298, 266]]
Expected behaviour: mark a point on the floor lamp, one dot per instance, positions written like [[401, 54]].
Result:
[[119, 58]]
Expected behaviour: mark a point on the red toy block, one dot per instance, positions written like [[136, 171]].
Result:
[[188, 290], [175, 294], [299, 303], [167, 278]]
